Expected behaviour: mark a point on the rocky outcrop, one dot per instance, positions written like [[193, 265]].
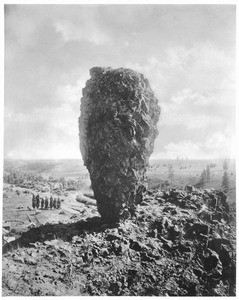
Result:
[[117, 126], [166, 250]]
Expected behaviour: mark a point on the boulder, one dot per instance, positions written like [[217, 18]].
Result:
[[212, 260], [189, 188], [118, 126]]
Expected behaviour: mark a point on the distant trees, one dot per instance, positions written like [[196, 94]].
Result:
[[225, 182], [14, 177], [206, 177], [62, 179], [170, 173], [225, 165], [164, 185], [203, 179], [212, 165], [190, 179], [225, 178], [208, 173]]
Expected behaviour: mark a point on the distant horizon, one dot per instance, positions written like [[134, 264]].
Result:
[[59, 159]]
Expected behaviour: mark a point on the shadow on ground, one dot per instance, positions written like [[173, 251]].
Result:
[[61, 231]]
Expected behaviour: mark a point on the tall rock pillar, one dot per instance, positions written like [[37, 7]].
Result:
[[117, 126]]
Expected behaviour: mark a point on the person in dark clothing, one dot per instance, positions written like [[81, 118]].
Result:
[[33, 201], [58, 203], [51, 202], [42, 203], [37, 201], [46, 203], [54, 203]]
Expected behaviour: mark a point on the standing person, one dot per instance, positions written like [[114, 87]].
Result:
[[37, 201], [42, 203], [46, 203], [51, 202], [33, 201], [54, 203], [58, 203]]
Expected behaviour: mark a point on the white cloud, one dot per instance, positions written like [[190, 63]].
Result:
[[219, 145], [126, 44], [178, 57], [186, 114], [183, 149], [82, 31], [72, 93], [61, 137], [195, 86], [186, 97], [57, 150], [202, 69]]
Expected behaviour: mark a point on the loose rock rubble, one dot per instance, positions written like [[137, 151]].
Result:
[[180, 243], [119, 113]]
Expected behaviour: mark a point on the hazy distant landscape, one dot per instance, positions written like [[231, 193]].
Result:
[[189, 172], [185, 171], [68, 179]]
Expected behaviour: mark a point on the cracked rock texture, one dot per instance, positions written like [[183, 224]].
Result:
[[119, 113], [175, 245]]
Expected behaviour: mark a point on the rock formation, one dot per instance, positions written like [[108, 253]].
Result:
[[181, 243], [117, 126]]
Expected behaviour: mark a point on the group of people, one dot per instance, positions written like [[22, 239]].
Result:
[[45, 203]]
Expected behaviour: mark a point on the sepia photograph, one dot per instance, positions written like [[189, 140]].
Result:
[[119, 149]]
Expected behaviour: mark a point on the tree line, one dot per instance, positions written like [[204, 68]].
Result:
[[205, 177]]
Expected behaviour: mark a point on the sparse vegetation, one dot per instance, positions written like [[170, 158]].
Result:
[[225, 178], [203, 179], [170, 173], [225, 182], [191, 175], [225, 165], [208, 173]]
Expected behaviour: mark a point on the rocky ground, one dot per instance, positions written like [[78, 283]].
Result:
[[179, 243]]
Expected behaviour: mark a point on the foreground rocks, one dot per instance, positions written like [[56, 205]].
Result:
[[176, 245], [119, 113]]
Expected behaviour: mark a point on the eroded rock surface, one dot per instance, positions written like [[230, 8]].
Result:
[[119, 113], [167, 249]]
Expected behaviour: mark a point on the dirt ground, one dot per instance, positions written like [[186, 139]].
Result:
[[19, 218]]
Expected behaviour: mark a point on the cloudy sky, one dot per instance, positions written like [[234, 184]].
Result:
[[186, 52]]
